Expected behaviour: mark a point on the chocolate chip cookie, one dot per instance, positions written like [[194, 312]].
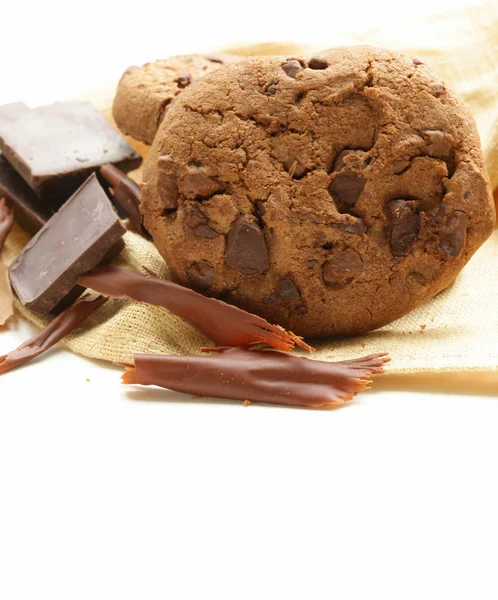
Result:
[[330, 194], [145, 93]]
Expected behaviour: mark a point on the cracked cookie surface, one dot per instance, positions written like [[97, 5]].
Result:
[[144, 94], [330, 194]]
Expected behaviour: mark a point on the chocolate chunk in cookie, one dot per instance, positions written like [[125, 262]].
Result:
[[342, 268], [287, 290], [183, 80], [167, 186], [246, 249], [196, 183], [453, 233], [200, 274], [347, 187], [292, 67], [402, 223], [318, 63], [356, 226]]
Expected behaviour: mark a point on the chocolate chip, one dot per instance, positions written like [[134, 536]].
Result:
[[295, 168], [269, 299], [166, 182], [342, 267], [203, 230], [201, 274], [317, 63], [287, 290], [292, 67], [213, 58], [197, 220], [357, 226], [246, 249], [400, 166], [271, 88], [195, 214], [164, 108], [437, 90], [260, 209], [438, 144], [340, 163], [416, 277], [183, 80], [453, 233], [196, 184], [402, 221], [347, 187]]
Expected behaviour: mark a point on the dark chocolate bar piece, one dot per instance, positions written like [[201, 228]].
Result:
[[30, 212], [76, 292], [73, 241], [258, 376], [54, 148], [10, 112], [224, 324]]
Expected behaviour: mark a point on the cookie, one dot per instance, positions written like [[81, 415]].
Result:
[[331, 194], [145, 93]]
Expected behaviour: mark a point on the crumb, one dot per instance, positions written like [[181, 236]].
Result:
[[409, 332], [87, 379], [422, 327], [363, 345], [246, 403]]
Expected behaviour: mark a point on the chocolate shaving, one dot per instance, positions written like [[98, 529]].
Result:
[[224, 324], [258, 376], [6, 224], [126, 194], [63, 324]]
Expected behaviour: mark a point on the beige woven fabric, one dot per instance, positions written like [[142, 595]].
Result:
[[455, 332]]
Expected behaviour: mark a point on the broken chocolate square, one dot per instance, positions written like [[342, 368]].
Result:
[[72, 242], [56, 147]]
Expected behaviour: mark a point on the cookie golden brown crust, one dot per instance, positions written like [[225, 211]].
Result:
[[145, 93], [330, 195]]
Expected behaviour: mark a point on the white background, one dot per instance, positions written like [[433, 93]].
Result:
[[107, 493]]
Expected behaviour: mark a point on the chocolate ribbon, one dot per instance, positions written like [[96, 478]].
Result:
[[63, 324], [258, 376], [224, 324]]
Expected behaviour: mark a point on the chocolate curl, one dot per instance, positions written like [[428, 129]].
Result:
[[258, 376], [6, 298], [224, 324], [63, 324], [126, 194]]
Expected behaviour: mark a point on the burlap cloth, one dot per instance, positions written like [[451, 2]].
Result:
[[455, 332]]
